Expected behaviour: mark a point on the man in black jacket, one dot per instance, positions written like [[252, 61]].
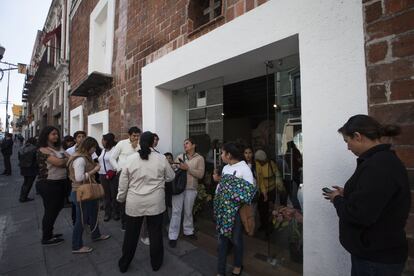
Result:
[[7, 151]]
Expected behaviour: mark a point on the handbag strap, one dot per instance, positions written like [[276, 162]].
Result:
[[82, 220], [103, 159]]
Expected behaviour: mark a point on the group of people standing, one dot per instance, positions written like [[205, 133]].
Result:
[[133, 175], [372, 207]]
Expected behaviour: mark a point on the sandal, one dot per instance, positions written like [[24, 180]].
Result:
[[82, 250], [102, 238]]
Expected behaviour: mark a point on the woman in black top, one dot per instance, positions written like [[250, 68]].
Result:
[[373, 206]]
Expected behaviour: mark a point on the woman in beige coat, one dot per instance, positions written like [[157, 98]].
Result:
[[141, 187]]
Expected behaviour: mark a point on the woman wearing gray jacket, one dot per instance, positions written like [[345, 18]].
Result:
[[141, 187]]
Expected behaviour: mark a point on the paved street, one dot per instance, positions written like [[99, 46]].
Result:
[[22, 254]]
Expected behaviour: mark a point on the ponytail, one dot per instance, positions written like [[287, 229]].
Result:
[[146, 141], [391, 130]]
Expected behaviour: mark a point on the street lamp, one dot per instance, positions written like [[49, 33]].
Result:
[[2, 50], [10, 67]]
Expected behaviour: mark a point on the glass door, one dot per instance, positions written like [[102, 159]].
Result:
[[285, 239], [263, 113]]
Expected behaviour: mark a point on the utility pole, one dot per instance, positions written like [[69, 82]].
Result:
[[7, 100]]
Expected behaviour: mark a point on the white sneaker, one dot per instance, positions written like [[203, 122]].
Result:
[[145, 241]]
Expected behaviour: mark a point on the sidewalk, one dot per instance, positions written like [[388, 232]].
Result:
[[22, 254]]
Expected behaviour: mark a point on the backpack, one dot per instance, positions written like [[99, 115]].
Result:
[[27, 156]]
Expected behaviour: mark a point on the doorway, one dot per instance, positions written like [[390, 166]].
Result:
[[263, 113]]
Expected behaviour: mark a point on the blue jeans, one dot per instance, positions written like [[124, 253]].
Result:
[[90, 215], [361, 267], [237, 241]]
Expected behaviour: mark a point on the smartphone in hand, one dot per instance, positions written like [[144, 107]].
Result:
[[327, 190]]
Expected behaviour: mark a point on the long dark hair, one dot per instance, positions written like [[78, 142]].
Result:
[[44, 137], [110, 140], [146, 141], [236, 150], [368, 127]]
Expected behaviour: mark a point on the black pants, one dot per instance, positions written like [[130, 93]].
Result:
[[7, 164], [53, 193], [263, 208], [133, 228], [27, 186], [362, 267], [111, 191]]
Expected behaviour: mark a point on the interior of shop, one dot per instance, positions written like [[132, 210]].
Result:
[[264, 113]]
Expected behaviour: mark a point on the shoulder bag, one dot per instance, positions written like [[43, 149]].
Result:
[[108, 174], [246, 213], [179, 183], [89, 190]]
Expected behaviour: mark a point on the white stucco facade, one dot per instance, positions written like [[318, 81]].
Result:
[[101, 37], [98, 125], [330, 41]]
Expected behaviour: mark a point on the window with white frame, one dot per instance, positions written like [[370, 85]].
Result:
[[101, 37], [98, 125], [76, 119]]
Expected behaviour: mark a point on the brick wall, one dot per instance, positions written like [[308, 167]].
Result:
[[389, 38], [144, 32]]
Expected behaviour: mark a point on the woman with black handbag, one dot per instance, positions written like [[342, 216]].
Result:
[[109, 178], [193, 164], [81, 171]]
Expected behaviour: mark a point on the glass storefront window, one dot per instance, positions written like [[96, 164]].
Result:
[[263, 113]]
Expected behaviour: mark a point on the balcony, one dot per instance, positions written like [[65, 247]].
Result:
[[92, 85], [45, 74]]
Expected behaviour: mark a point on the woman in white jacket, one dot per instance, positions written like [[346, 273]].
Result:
[[141, 186]]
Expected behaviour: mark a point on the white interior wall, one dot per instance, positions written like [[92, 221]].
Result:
[[333, 81]]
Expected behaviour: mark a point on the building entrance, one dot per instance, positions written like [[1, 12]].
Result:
[[264, 114]]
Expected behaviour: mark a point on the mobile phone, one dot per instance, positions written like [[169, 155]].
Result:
[[327, 190]]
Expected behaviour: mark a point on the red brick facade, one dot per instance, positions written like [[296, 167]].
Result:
[[389, 38], [144, 31], [147, 30]]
